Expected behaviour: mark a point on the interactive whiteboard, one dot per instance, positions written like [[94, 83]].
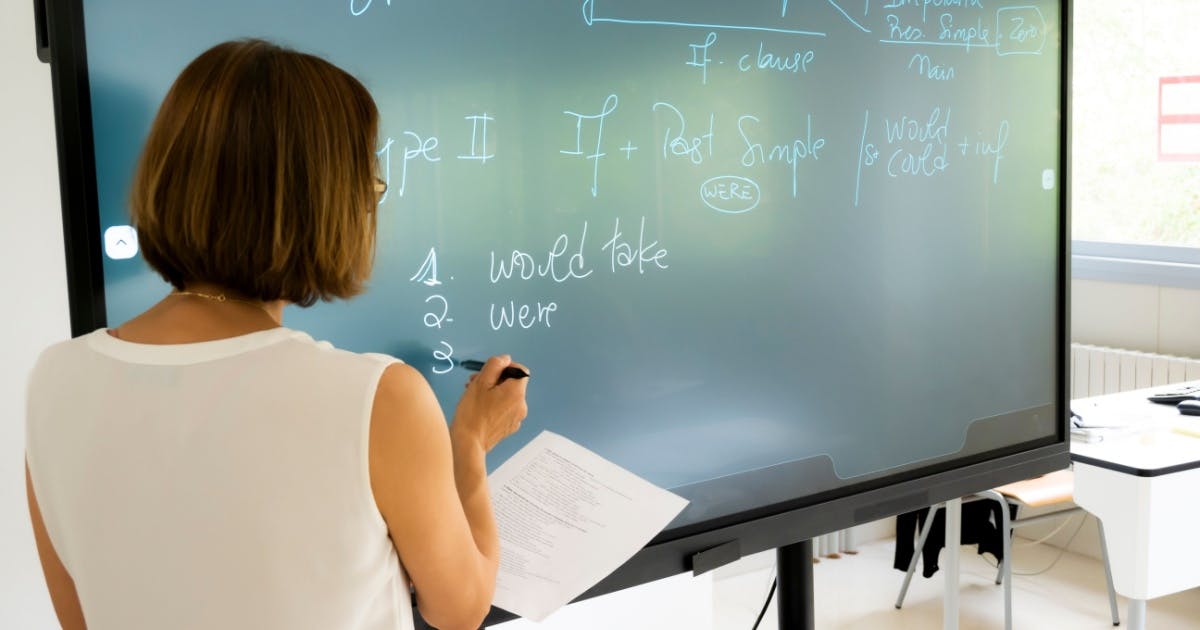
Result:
[[754, 251]]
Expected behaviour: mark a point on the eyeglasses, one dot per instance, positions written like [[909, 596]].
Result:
[[380, 187]]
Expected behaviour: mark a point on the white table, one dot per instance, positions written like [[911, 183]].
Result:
[[1143, 483]]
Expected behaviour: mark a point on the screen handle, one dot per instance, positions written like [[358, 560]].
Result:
[[41, 35]]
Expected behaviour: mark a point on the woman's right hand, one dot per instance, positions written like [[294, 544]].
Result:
[[491, 410]]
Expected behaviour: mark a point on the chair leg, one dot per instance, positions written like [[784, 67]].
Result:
[[1000, 565], [912, 564], [1112, 591]]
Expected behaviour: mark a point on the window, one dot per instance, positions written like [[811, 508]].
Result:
[[1179, 119], [1136, 130]]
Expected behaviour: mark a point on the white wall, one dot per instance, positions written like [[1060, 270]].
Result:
[[33, 287], [1139, 317]]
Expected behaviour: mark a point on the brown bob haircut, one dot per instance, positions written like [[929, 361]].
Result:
[[259, 175]]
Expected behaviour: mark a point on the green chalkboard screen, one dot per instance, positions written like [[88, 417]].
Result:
[[777, 248]]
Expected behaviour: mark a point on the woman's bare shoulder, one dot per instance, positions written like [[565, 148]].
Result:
[[405, 409]]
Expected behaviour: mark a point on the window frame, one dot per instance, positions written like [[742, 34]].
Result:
[[1160, 265]]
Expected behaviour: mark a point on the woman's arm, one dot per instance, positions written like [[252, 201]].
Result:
[[62, 587], [430, 484]]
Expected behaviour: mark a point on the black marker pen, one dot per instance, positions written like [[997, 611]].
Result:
[[511, 371]]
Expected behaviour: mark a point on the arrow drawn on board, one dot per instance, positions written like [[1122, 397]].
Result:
[[860, 27], [842, 11]]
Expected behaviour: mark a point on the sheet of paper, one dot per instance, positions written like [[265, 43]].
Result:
[[567, 518], [1100, 413]]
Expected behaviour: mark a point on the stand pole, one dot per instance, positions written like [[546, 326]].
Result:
[[794, 566]]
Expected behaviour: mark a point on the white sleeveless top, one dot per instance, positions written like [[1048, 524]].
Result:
[[216, 485]]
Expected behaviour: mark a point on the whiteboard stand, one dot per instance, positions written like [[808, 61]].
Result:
[[953, 509], [794, 571], [953, 537]]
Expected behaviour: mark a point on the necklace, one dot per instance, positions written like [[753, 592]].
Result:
[[221, 297]]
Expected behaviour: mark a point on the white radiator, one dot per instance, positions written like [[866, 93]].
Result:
[[1096, 370]]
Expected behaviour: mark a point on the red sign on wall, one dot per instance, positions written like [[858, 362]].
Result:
[[1179, 119]]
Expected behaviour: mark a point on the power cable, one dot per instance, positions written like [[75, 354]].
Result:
[[1057, 557], [770, 594]]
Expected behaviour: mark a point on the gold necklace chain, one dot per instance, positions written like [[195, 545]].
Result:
[[221, 297]]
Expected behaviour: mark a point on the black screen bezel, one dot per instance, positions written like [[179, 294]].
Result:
[[671, 552]]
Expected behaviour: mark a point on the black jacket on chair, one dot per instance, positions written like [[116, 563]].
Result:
[[980, 526]]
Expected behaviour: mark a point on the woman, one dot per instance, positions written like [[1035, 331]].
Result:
[[201, 466]]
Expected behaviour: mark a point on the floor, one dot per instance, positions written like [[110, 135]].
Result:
[[858, 592]]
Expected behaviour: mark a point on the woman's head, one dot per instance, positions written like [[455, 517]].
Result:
[[259, 175]]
